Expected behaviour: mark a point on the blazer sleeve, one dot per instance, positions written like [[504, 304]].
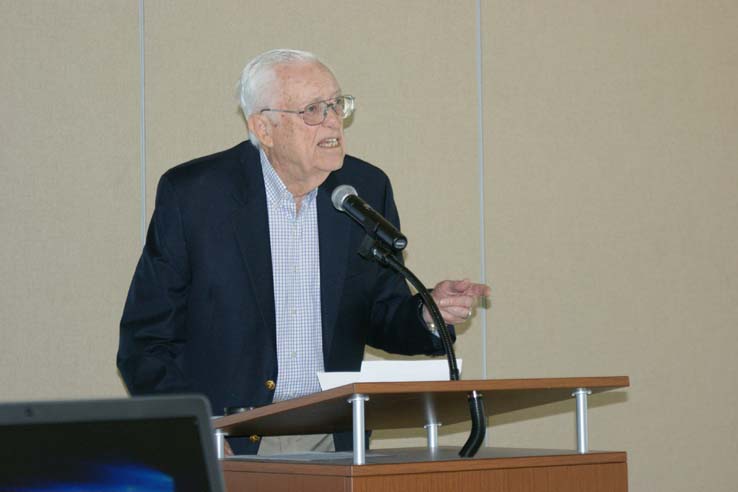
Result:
[[153, 325]]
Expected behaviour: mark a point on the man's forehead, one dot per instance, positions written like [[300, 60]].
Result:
[[306, 82]]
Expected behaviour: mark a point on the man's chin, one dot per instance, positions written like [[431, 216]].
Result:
[[333, 163]]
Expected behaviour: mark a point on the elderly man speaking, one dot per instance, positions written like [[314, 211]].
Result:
[[249, 281]]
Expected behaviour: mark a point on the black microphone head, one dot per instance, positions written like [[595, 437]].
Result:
[[340, 194]]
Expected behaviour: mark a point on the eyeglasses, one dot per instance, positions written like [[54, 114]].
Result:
[[316, 113]]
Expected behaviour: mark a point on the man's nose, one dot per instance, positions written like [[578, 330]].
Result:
[[332, 117]]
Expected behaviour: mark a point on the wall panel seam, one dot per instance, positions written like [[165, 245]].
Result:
[[480, 162], [142, 116]]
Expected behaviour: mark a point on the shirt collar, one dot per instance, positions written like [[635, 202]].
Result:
[[277, 193]]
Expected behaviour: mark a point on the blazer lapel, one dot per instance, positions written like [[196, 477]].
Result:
[[333, 228], [251, 226]]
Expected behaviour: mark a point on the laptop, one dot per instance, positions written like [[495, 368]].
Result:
[[151, 444]]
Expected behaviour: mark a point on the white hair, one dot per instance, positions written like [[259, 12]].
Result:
[[255, 88]]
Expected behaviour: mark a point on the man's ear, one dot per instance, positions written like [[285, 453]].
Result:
[[261, 126]]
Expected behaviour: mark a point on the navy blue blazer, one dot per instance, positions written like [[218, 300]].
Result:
[[199, 316]]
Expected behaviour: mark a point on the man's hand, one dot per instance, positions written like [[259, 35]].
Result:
[[456, 300]]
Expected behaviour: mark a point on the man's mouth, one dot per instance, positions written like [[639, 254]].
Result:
[[328, 143]]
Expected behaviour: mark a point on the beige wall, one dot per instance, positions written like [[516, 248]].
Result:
[[608, 189], [69, 193], [612, 226]]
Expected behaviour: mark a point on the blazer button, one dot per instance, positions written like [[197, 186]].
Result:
[[269, 384], [254, 438]]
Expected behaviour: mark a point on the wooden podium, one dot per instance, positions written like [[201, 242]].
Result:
[[362, 406]]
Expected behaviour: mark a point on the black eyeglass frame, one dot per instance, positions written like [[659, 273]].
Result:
[[348, 105]]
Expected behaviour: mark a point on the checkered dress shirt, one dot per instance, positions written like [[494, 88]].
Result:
[[296, 272]]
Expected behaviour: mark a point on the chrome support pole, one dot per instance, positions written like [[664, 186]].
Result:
[[582, 433], [432, 433], [357, 402], [219, 444]]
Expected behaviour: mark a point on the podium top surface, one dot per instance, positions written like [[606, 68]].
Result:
[[406, 404]]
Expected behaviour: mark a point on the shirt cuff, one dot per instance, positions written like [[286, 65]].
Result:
[[429, 325]]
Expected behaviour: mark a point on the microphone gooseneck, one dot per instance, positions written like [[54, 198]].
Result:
[[384, 244]]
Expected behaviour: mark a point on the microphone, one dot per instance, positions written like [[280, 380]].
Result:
[[346, 200]]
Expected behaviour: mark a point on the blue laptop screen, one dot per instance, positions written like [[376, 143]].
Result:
[[154, 455]]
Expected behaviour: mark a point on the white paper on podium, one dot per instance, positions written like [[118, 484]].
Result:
[[388, 371]]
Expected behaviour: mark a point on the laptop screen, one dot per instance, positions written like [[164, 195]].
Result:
[[151, 445]]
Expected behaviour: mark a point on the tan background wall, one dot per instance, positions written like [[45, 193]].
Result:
[[69, 192], [607, 189]]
